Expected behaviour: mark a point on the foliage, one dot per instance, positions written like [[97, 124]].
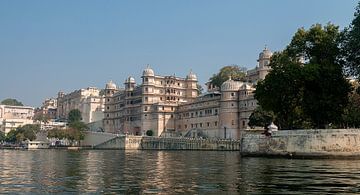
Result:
[[26, 132], [70, 133], [312, 93], [11, 102], [235, 71], [2, 136], [351, 45], [351, 116], [261, 118], [74, 116], [149, 133], [200, 89], [42, 118]]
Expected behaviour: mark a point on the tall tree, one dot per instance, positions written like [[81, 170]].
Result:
[[74, 116], [235, 71], [261, 118], [11, 102], [281, 91], [313, 89], [351, 45]]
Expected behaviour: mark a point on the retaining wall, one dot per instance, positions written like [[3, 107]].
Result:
[[303, 143]]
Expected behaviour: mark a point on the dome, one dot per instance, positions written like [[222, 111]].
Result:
[[130, 79], [231, 85], [110, 85], [148, 71], [191, 76], [266, 53]]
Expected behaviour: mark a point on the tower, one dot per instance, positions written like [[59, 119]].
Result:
[[264, 61], [191, 82], [229, 112], [108, 121], [148, 98]]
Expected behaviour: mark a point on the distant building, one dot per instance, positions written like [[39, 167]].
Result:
[[89, 101], [168, 105], [12, 117], [48, 109]]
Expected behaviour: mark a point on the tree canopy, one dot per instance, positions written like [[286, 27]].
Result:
[[351, 45], [11, 102], [235, 71], [311, 92], [74, 116], [26, 132]]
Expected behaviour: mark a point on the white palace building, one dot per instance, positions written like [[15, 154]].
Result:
[[170, 105]]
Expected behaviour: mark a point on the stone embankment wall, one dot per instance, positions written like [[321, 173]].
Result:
[[95, 138], [158, 143], [303, 143]]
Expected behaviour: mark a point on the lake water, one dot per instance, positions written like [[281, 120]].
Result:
[[171, 172]]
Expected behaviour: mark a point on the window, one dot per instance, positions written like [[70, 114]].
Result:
[[163, 108], [185, 126], [146, 79], [232, 94], [216, 123], [161, 98], [208, 124], [201, 125], [108, 100], [232, 122], [146, 108], [172, 116], [146, 89]]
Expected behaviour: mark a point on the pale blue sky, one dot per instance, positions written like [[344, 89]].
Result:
[[47, 46]]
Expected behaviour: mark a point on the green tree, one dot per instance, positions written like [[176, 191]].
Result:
[[351, 45], [2, 136], [200, 89], [22, 133], [149, 133], [312, 92], [235, 71], [42, 118], [325, 86], [11, 136], [261, 118], [11, 102], [74, 116], [351, 116]]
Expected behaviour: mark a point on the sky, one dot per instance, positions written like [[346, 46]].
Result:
[[50, 46]]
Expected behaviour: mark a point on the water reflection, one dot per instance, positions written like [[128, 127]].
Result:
[[171, 172]]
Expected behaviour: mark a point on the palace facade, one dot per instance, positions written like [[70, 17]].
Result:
[[170, 105], [89, 101]]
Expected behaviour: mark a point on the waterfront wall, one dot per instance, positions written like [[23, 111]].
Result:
[[303, 143], [95, 138], [158, 143], [104, 141]]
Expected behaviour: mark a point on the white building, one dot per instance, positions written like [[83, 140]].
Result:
[[12, 117], [89, 101]]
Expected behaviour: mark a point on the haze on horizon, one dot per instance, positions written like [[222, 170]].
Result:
[[48, 46]]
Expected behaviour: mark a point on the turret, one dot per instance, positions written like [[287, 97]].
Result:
[[191, 81], [130, 83], [229, 112]]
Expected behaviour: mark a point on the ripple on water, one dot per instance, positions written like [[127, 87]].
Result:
[[171, 172]]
